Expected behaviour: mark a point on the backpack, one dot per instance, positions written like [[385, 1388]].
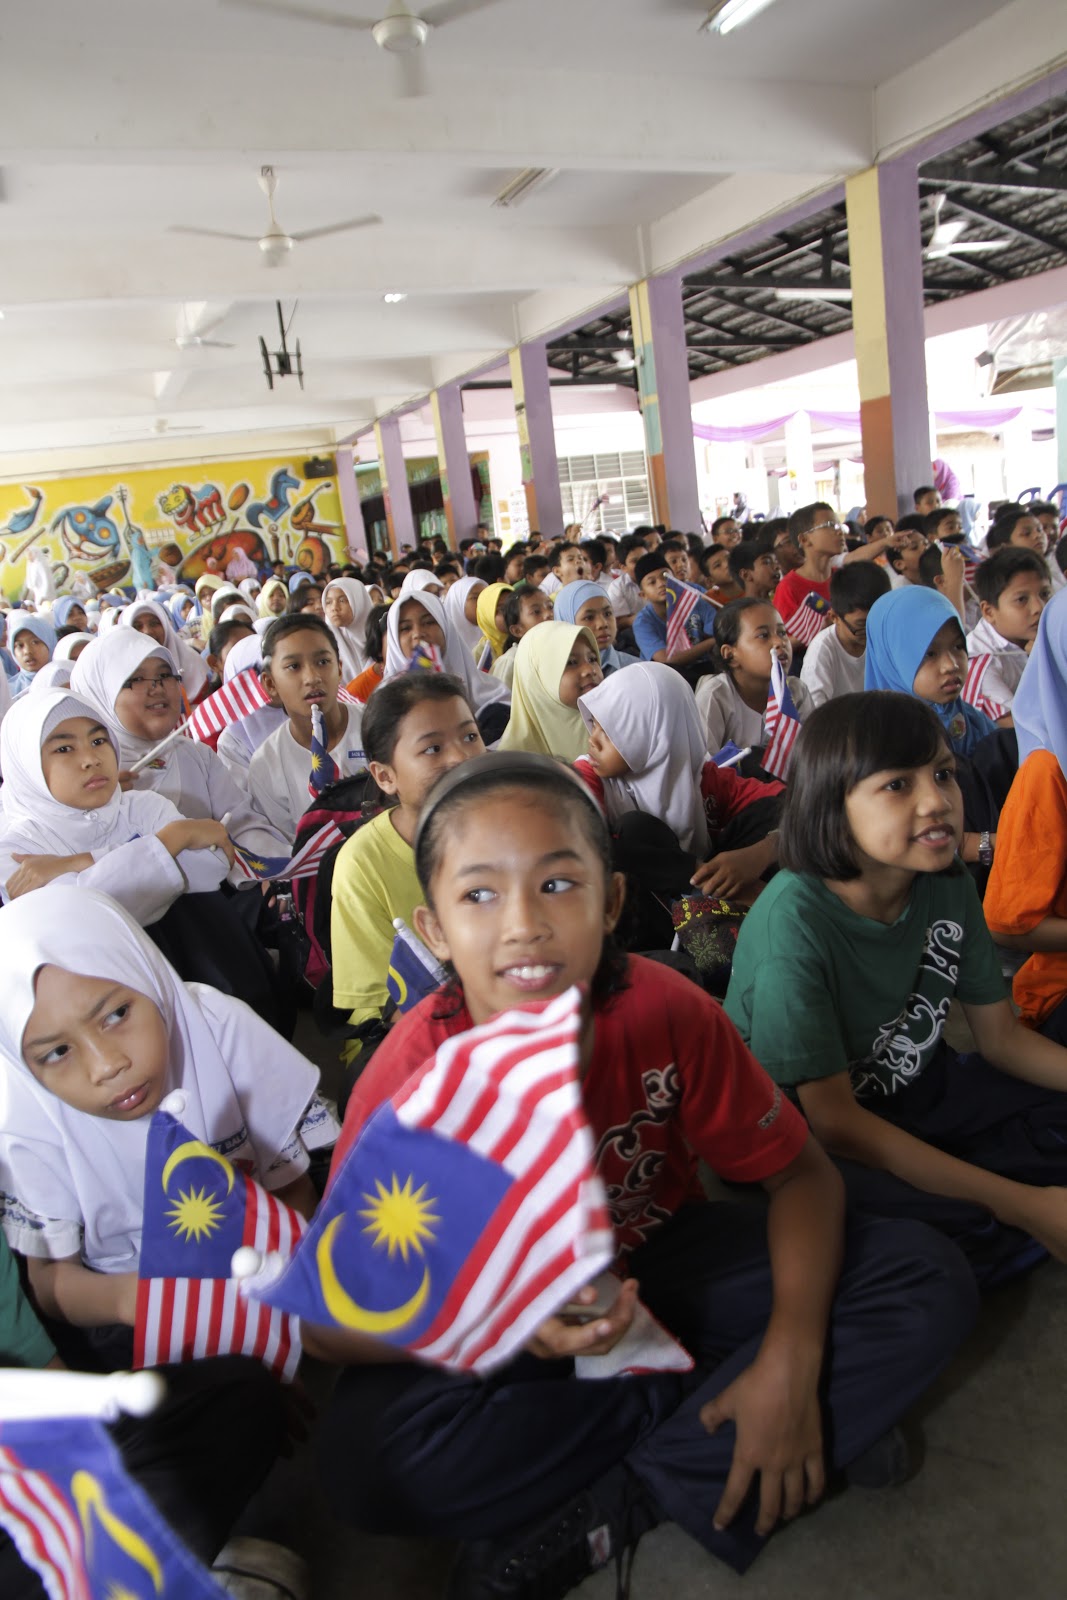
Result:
[[347, 804]]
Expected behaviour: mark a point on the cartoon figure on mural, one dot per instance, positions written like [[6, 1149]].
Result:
[[23, 521], [140, 555], [193, 512]]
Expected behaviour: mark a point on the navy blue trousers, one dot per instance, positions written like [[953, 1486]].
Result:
[[411, 1450]]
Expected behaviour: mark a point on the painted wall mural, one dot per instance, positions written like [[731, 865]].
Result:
[[114, 526]]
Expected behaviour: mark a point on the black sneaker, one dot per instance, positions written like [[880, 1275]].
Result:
[[547, 1559]]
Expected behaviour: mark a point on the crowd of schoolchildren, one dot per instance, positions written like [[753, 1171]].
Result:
[[550, 785]]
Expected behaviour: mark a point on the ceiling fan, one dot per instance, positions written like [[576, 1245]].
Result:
[[275, 244], [400, 32], [945, 239], [188, 337]]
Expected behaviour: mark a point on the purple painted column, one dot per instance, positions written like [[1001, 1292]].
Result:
[[885, 255], [537, 438], [398, 512], [663, 382], [351, 510], [453, 459]]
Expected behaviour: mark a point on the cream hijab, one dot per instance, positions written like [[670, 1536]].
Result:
[[540, 722], [481, 688], [651, 718], [351, 639], [73, 1168]]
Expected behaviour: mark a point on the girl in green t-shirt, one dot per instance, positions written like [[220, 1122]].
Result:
[[844, 974]]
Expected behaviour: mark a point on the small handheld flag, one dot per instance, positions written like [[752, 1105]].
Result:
[[682, 600], [413, 971], [485, 656], [781, 723], [468, 1210], [974, 691], [426, 658], [324, 769], [236, 699], [809, 619], [198, 1210], [730, 755], [303, 864], [82, 1523]]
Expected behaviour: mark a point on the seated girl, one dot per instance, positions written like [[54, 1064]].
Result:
[[587, 605], [1026, 898], [523, 609], [423, 619], [152, 620], [364, 684], [272, 601], [732, 701], [491, 612], [70, 646], [554, 665], [461, 609], [31, 640], [648, 759], [844, 974], [520, 898], [96, 1029], [131, 683], [239, 741], [347, 605], [69, 612], [66, 819]]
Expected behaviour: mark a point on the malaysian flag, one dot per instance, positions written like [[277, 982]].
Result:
[[303, 864], [974, 688], [468, 1210], [811, 616], [236, 699], [485, 657], [81, 1522], [682, 601], [781, 723], [425, 658], [198, 1210], [324, 770], [413, 971]]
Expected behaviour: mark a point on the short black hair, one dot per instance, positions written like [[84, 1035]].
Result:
[[743, 557], [391, 702], [296, 622], [1002, 568], [924, 488], [534, 564], [628, 542], [930, 567], [768, 531], [720, 522], [727, 626], [514, 550], [1008, 518], [490, 568], [300, 597], [933, 520], [856, 586], [914, 522], [652, 562], [595, 550], [675, 541], [445, 569], [374, 637], [874, 522], [841, 743], [805, 517], [223, 632]]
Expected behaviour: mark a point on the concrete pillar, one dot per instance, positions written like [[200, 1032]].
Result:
[[799, 460], [398, 513], [351, 511], [1059, 371], [663, 384], [885, 252], [537, 438], [461, 512]]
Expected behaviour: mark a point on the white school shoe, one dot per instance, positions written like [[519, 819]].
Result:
[[255, 1569]]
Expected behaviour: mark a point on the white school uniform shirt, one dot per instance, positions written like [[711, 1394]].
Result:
[[1007, 666], [73, 1184], [279, 771], [625, 596], [129, 862], [239, 741], [550, 583], [726, 716], [829, 670]]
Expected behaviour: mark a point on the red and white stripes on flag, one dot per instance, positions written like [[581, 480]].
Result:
[[781, 724], [974, 691], [43, 1528], [811, 616], [304, 864], [236, 699], [187, 1319], [682, 601]]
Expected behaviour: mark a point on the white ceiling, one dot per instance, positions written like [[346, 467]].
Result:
[[122, 117]]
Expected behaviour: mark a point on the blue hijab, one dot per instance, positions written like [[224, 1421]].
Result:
[[566, 604], [1040, 704], [27, 622], [63, 607], [900, 627]]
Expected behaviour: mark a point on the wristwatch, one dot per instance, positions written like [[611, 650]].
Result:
[[985, 849]]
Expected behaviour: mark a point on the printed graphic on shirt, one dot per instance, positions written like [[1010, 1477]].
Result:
[[904, 1047], [629, 1167]]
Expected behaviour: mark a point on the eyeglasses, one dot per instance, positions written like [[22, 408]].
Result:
[[146, 685], [838, 527]]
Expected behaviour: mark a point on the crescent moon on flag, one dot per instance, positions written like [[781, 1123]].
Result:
[[346, 1311], [89, 1496], [401, 986], [194, 1149]]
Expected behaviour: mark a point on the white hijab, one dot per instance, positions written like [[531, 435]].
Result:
[[100, 672], [187, 660], [468, 633], [69, 642], [78, 1169], [245, 653], [417, 581], [53, 675], [352, 638], [651, 717], [28, 803], [482, 689]]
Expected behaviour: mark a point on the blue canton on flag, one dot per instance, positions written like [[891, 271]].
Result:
[[413, 971], [809, 619], [468, 1210], [323, 766], [81, 1522], [781, 724], [682, 600], [426, 658]]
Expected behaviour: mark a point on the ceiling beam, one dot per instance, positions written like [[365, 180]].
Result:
[[1024, 230], [993, 175], [740, 280]]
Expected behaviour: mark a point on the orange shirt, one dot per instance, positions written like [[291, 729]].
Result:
[[1029, 879], [364, 686]]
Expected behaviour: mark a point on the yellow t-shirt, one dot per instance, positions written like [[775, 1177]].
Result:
[[373, 882]]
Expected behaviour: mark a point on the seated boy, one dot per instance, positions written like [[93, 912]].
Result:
[[650, 624], [1013, 589], [224, 635], [523, 609], [755, 570], [834, 661], [904, 557], [535, 571], [568, 563], [623, 592], [945, 570], [301, 670]]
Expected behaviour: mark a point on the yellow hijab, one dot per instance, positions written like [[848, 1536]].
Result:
[[540, 722], [265, 594], [488, 606]]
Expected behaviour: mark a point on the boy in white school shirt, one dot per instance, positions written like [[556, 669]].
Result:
[[1013, 588], [834, 661], [302, 669]]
